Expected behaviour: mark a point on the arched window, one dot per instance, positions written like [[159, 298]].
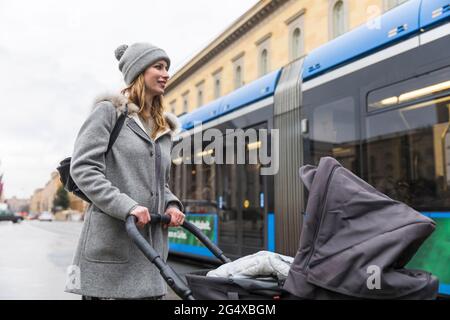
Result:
[[200, 98], [264, 64], [185, 104], [338, 19], [238, 77], [173, 106], [295, 44], [217, 90]]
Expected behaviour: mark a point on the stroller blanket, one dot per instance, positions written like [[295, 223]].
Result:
[[258, 265], [356, 241]]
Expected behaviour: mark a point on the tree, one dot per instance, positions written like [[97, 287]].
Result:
[[61, 199]]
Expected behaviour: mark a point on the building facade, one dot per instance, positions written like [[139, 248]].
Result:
[[36, 203], [18, 205], [268, 36], [42, 199]]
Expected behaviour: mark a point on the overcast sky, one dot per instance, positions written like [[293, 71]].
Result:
[[56, 56]]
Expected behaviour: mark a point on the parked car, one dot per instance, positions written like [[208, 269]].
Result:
[[46, 216], [33, 216], [76, 216], [8, 215]]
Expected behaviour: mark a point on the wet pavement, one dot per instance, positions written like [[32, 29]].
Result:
[[34, 256]]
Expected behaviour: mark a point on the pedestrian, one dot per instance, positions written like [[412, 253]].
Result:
[[131, 179]]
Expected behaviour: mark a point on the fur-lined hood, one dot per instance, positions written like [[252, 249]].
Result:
[[119, 101]]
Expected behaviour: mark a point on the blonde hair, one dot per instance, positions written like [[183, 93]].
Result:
[[136, 93]]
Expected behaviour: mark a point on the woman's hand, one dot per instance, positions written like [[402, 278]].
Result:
[[176, 216], [142, 214]]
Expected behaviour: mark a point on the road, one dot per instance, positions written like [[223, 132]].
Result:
[[34, 256]]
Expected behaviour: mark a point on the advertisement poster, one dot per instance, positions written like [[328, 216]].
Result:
[[182, 241]]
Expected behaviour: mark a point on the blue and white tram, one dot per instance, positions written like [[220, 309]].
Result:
[[377, 99]]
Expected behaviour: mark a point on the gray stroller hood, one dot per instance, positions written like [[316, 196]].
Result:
[[356, 241]]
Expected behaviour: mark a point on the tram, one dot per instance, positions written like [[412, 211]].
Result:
[[377, 99]]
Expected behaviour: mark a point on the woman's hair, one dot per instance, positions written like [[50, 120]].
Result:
[[136, 93]]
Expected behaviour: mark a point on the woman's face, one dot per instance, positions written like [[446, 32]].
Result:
[[155, 77]]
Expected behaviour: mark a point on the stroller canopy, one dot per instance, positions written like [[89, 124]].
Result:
[[356, 241]]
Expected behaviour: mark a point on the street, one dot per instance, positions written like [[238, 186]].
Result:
[[34, 256]]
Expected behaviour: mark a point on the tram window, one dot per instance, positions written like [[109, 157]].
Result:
[[252, 192], [241, 189], [410, 91], [199, 181], [333, 132], [205, 182], [407, 151]]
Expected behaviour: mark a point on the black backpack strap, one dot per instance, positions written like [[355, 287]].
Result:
[[117, 127]]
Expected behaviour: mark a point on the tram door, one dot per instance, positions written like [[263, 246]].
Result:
[[241, 205]]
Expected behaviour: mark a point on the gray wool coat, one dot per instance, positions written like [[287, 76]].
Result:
[[134, 172]]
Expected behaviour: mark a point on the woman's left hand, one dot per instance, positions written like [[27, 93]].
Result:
[[176, 216]]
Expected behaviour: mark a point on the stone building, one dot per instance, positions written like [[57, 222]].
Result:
[[42, 199]]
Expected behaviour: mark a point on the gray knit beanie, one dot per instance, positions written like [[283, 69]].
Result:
[[134, 59]]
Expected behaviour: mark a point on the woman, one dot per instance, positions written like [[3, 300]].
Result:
[[131, 179]]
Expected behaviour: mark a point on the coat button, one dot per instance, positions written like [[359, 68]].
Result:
[[152, 193], [151, 153]]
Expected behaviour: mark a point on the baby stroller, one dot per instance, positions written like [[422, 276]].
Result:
[[355, 243]]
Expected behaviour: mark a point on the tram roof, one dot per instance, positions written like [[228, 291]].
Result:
[[248, 94]]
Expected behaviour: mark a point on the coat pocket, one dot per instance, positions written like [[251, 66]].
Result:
[[107, 240]]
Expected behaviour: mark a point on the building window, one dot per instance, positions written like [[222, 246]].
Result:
[[200, 98], [185, 106], [295, 44], [186, 102], [338, 19], [217, 78], [238, 63], [217, 88], [263, 45], [173, 106], [264, 68], [389, 4], [200, 93], [296, 26], [238, 77]]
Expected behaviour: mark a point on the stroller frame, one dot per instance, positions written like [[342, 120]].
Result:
[[167, 272]]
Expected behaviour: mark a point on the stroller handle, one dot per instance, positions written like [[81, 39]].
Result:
[[192, 228], [157, 218], [169, 275]]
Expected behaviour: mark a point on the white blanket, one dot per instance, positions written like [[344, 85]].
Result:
[[258, 265]]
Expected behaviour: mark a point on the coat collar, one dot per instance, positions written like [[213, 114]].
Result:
[[138, 120], [119, 101]]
